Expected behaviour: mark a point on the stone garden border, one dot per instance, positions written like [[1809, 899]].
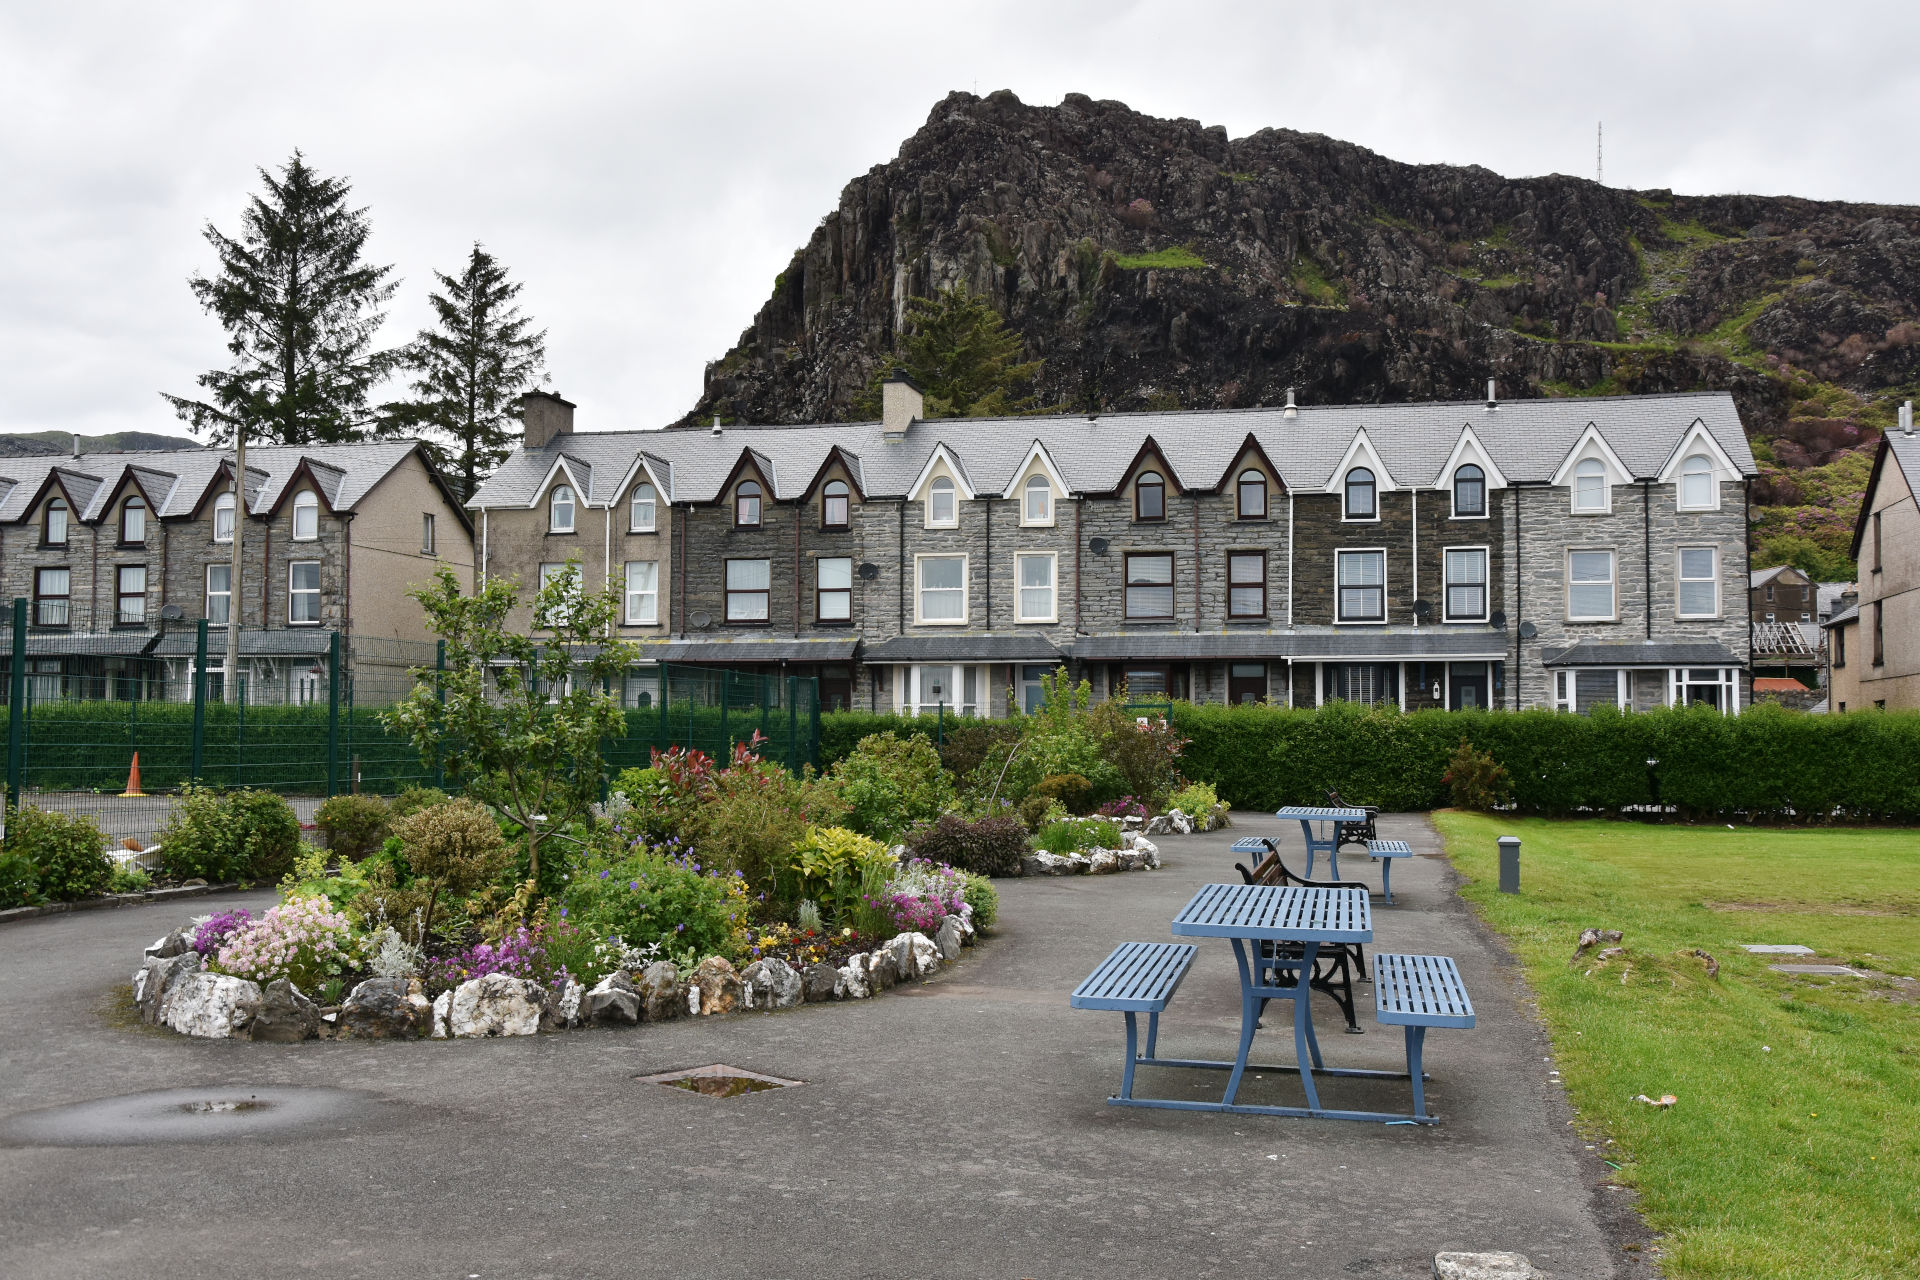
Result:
[[1136, 852], [109, 900], [172, 988]]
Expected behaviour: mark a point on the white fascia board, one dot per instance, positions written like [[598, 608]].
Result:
[[1469, 448], [1039, 451], [1592, 444], [559, 466], [1698, 440], [917, 491], [1361, 453], [642, 465]]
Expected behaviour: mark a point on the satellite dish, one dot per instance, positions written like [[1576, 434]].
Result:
[[172, 612], [701, 621], [1528, 631], [1422, 610], [1499, 621], [1098, 546], [869, 570]]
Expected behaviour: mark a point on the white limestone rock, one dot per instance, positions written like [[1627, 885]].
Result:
[[948, 939], [1103, 862], [772, 984], [496, 1005], [853, 980], [442, 1011], [1484, 1266], [213, 1006]]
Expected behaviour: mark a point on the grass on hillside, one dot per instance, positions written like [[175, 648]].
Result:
[[1794, 1149], [1179, 257]]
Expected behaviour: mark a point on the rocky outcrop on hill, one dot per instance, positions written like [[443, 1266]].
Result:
[[1154, 263]]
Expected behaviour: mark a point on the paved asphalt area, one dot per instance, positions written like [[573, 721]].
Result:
[[956, 1128]]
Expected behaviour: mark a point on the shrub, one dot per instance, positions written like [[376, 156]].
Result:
[[989, 846], [453, 849], [835, 867], [1196, 799], [646, 897], [985, 901], [355, 826], [305, 942], [1038, 811], [1475, 779], [752, 818], [412, 800], [890, 783], [923, 894], [68, 852], [1073, 835], [232, 835], [128, 879], [19, 881], [1072, 790]]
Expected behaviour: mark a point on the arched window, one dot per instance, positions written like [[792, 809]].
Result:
[[1150, 497], [306, 516], [560, 510], [1039, 501], [55, 534], [1696, 483], [835, 505], [1469, 491], [746, 505], [1252, 496], [1590, 486], [1360, 495], [223, 518], [640, 509], [133, 521], [940, 509]]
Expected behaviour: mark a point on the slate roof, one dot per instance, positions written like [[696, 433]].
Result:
[[770, 650], [1630, 653], [977, 647], [1347, 646], [1528, 440], [176, 479]]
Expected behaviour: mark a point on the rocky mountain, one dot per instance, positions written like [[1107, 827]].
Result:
[[1153, 263], [36, 443]]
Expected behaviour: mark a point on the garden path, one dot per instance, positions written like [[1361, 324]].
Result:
[[955, 1128]]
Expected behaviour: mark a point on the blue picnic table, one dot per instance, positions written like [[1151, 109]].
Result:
[[1307, 815]]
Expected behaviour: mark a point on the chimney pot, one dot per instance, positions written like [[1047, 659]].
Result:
[[901, 404], [545, 415], [716, 424], [1493, 400], [1906, 417], [1293, 410]]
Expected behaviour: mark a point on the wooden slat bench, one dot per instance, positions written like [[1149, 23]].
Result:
[[1139, 977], [1417, 992]]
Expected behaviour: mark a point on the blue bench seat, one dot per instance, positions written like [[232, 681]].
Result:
[[1387, 851], [1417, 992], [1138, 977]]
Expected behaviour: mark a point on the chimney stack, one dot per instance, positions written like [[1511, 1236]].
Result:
[[545, 416], [1906, 418], [901, 404], [716, 424], [1493, 401], [1293, 410]]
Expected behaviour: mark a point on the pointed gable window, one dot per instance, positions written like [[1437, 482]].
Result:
[[306, 516], [133, 521], [1150, 497], [1252, 495], [1360, 500], [55, 532], [1590, 485], [560, 510], [1469, 491], [1037, 507], [640, 509], [835, 505], [940, 504], [1696, 484], [746, 505]]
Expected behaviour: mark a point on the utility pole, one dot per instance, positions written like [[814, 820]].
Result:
[[231, 685], [1599, 153]]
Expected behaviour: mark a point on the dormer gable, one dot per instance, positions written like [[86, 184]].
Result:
[[1592, 444], [1037, 462], [655, 471], [1469, 449], [309, 476], [841, 464], [1698, 442], [750, 465], [1251, 454], [1361, 453], [1150, 456], [565, 470], [941, 462]]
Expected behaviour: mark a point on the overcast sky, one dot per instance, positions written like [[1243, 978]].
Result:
[[647, 170]]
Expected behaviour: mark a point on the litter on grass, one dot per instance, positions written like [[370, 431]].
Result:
[[1664, 1100]]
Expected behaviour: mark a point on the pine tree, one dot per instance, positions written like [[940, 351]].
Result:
[[300, 309], [963, 355], [473, 366]]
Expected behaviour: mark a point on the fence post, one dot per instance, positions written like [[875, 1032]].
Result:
[[17, 706], [198, 751], [440, 684], [333, 711], [661, 736], [940, 726], [813, 716], [765, 710], [240, 733]]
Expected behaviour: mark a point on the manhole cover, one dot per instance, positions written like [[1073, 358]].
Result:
[[181, 1115], [719, 1081]]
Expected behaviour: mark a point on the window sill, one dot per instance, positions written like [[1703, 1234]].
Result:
[[1247, 617], [1036, 622], [825, 528], [636, 532], [563, 533], [941, 622], [1591, 622], [1132, 617], [1359, 519], [291, 623], [836, 624], [1463, 622], [1456, 516], [1359, 622], [129, 546], [130, 626], [50, 626]]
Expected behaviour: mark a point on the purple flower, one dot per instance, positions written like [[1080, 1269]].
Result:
[[680, 928]]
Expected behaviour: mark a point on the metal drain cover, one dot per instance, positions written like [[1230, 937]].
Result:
[[719, 1081], [182, 1115]]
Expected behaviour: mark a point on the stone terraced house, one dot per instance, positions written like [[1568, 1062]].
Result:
[[1558, 553], [119, 555]]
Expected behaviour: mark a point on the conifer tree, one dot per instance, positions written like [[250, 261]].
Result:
[[300, 308], [963, 356], [472, 366]]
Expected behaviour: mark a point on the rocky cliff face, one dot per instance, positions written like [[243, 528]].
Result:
[[1156, 263]]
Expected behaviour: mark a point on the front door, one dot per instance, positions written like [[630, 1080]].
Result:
[[1246, 682], [1468, 685]]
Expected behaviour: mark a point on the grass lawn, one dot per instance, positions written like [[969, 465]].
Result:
[[1794, 1149]]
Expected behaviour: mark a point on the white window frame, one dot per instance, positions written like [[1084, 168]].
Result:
[[920, 588], [548, 572], [1036, 483], [306, 503], [937, 488], [1020, 586], [223, 506], [913, 688], [572, 504], [1680, 581], [1347, 517], [821, 590], [1613, 584], [206, 607], [429, 544], [648, 614], [1580, 469], [1485, 584], [1453, 494], [728, 591], [649, 503], [1338, 613], [1687, 472], [293, 593]]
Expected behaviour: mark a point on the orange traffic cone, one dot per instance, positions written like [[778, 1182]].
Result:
[[133, 791]]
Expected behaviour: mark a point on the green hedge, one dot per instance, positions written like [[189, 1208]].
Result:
[[1767, 763]]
